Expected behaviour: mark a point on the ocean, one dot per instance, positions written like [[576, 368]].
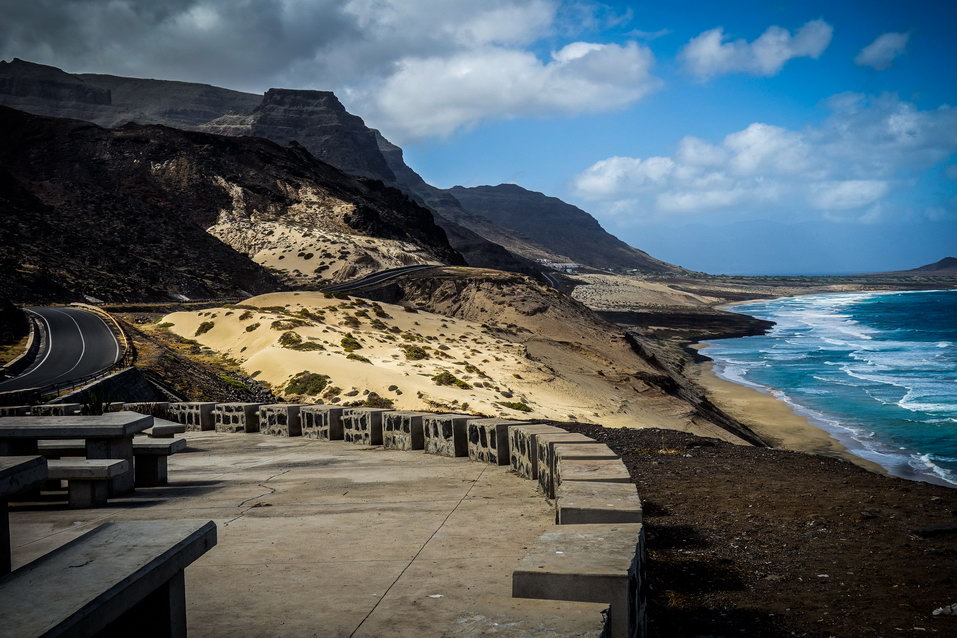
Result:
[[877, 370]]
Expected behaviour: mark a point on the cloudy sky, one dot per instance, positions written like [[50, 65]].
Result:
[[738, 137]]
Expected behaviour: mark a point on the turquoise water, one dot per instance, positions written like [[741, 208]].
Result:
[[877, 370]]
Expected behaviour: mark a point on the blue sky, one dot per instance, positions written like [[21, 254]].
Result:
[[731, 137]]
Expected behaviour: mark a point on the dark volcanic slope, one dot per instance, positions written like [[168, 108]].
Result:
[[557, 226], [122, 213], [318, 121]]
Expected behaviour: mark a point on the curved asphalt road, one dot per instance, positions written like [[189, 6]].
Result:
[[79, 343], [377, 278]]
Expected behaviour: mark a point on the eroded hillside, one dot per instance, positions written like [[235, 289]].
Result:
[[188, 213]]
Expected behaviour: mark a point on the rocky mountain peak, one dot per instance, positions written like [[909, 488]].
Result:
[[301, 98]]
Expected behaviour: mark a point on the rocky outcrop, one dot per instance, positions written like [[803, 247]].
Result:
[[318, 121], [80, 204], [556, 227]]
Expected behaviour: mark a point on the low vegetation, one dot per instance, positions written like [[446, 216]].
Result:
[[205, 327], [516, 405], [447, 378], [307, 383]]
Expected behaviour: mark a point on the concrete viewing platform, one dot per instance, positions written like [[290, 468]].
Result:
[[329, 538]]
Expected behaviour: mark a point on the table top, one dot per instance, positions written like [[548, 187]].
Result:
[[110, 425], [20, 472]]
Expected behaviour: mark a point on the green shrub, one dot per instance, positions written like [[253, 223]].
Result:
[[236, 383], [378, 324], [350, 343], [307, 346], [349, 321], [515, 405], [286, 324], [290, 340], [414, 353], [252, 327], [376, 401], [308, 315], [379, 312], [311, 383], [204, 327], [447, 378], [357, 357], [247, 314]]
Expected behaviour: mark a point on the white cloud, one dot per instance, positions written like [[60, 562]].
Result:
[[850, 167], [709, 54], [440, 95], [847, 194], [413, 68], [882, 52]]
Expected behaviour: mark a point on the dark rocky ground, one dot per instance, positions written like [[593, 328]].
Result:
[[745, 541]]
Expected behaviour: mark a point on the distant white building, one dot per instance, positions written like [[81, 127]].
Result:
[[567, 267]]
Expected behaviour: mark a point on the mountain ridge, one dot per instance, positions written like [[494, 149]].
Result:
[[187, 213], [315, 119]]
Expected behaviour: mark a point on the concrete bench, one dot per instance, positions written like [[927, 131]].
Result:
[[195, 415], [582, 502], [87, 479], [446, 434], [163, 429], [596, 470], [488, 440], [522, 450], [589, 563], [362, 425], [236, 417], [403, 431], [121, 579], [280, 419], [546, 456], [322, 422], [150, 460], [588, 462], [62, 447]]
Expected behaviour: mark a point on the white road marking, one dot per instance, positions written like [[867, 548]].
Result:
[[36, 366], [107, 326], [82, 344]]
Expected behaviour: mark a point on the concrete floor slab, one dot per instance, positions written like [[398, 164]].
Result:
[[320, 538]]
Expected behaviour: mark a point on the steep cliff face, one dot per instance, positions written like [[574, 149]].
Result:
[[111, 101], [483, 244], [557, 227], [318, 121], [80, 204]]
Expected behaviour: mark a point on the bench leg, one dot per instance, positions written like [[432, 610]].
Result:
[[5, 559], [118, 448], [151, 470], [162, 614], [88, 493]]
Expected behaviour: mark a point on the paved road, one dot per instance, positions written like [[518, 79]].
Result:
[[80, 343], [376, 278]]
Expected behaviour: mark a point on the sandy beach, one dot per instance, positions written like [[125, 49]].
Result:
[[772, 419]]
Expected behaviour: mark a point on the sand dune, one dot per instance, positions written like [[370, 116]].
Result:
[[557, 378]]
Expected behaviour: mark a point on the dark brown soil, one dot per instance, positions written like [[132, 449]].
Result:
[[744, 541]]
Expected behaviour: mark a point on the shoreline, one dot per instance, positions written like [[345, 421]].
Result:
[[771, 418], [793, 431]]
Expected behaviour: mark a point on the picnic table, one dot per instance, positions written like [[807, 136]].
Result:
[[17, 473], [107, 436]]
